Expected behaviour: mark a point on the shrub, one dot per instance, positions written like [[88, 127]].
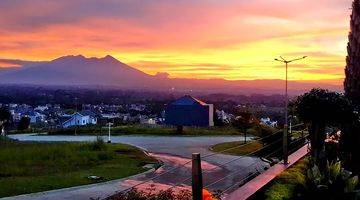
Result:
[[332, 183], [289, 183], [135, 194], [97, 145], [152, 194]]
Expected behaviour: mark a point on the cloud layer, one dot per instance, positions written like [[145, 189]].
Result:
[[232, 39]]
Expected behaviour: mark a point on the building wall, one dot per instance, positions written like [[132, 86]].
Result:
[[211, 115], [189, 115]]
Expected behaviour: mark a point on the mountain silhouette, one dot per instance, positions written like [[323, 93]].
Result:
[[110, 72], [78, 70]]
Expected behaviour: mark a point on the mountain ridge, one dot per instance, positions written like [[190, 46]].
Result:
[[77, 70]]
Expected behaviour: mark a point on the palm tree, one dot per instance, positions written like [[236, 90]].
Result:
[[352, 70]]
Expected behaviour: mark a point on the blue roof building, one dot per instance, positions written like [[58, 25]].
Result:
[[189, 111]]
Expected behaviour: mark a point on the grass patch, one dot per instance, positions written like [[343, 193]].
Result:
[[28, 167], [288, 182], [146, 130], [245, 149]]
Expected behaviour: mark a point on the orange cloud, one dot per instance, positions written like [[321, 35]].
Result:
[[203, 39]]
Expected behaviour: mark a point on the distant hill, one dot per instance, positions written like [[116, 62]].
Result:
[[78, 70], [109, 72]]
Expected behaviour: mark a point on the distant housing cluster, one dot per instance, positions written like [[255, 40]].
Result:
[[55, 116], [185, 111]]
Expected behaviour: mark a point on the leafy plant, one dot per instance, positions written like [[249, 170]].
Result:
[[332, 183]]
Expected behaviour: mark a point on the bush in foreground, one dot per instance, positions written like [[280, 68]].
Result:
[[152, 194], [306, 182], [149, 194]]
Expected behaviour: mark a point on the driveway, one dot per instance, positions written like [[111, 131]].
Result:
[[172, 151]]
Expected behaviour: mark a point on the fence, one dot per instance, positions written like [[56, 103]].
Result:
[[296, 138]]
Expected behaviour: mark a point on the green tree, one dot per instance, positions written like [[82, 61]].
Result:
[[319, 108], [243, 121], [24, 123], [5, 118]]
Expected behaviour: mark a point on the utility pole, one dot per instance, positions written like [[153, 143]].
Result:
[[285, 135]]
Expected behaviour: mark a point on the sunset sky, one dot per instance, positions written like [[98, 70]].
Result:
[[231, 39]]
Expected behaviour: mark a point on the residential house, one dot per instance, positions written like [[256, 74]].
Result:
[[267, 121], [80, 119], [224, 117], [35, 117], [147, 120]]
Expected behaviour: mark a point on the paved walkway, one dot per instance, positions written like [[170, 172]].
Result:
[[260, 181]]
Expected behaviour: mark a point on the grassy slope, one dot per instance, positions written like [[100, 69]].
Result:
[[244, 149], [252, 146], [148, 130], [34, 167], [284, 186]]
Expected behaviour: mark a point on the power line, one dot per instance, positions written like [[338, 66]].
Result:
[[155, 177], [229, 175], [260, 139], [236, 172], [245, 155], [227, 189], [216, 153], [226, 163], [255, 163]]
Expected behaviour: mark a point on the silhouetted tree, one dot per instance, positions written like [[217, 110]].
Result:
[[24, 123], [319, 108], [217, 120], [243, 121], [352, 71], [5, 118], [350, 140]]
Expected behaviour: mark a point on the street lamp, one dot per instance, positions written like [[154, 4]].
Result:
[[109, 138], [285, 152]]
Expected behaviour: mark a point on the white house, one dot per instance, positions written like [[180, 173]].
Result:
[[267, 121], [35, 117], [147, 120], [223, 116], [41, 108], [80, 119], [137, 107]]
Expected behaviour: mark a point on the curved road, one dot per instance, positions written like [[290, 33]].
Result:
[[173, 151]]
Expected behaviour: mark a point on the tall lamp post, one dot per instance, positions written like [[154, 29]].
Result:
[[285, 135], [109, 136]]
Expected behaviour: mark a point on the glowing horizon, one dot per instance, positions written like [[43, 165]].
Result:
[[231, 39]]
